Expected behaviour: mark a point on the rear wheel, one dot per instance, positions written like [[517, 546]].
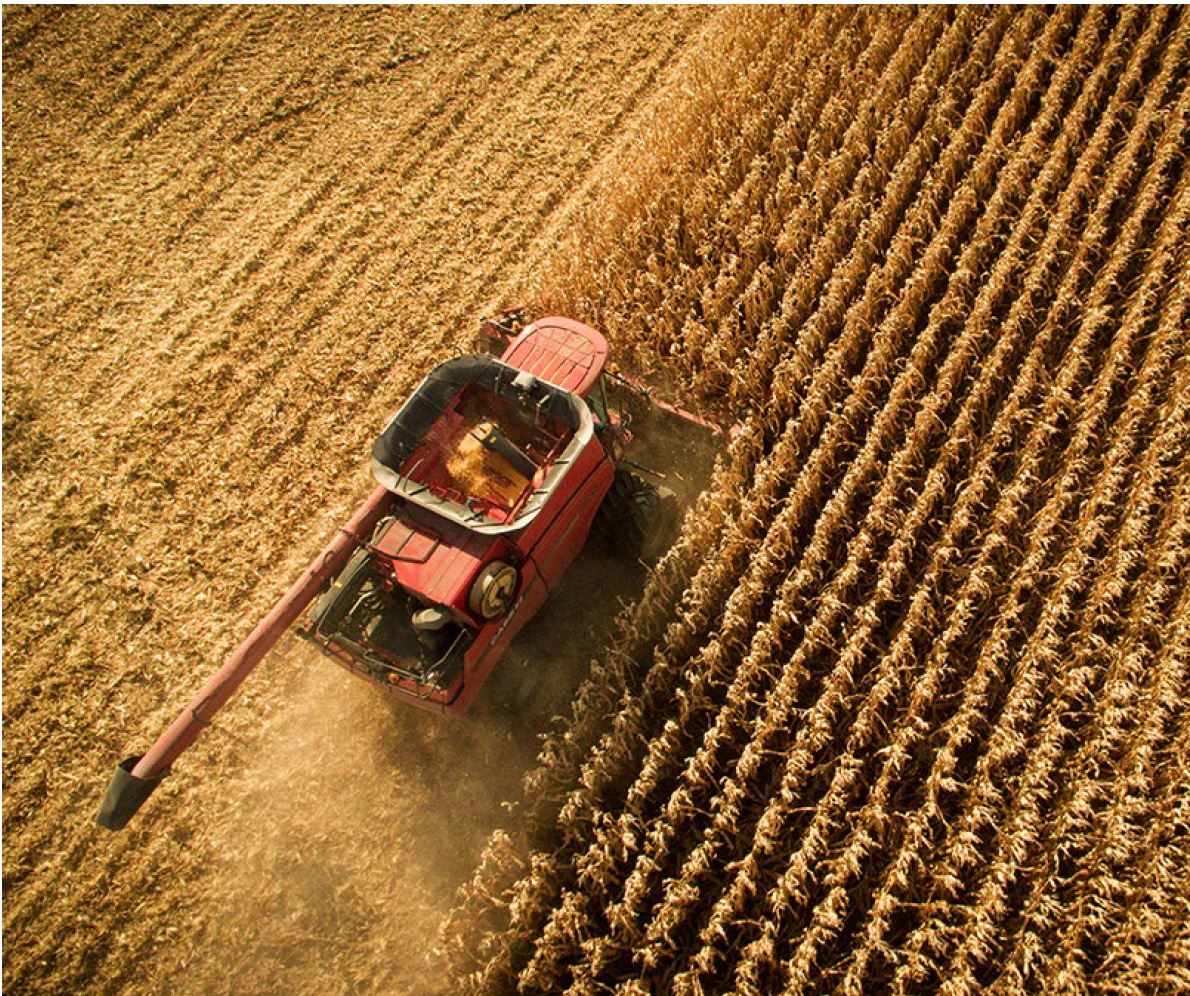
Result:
[[636, 518]]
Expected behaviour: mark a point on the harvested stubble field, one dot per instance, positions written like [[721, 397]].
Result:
[[902, 710]]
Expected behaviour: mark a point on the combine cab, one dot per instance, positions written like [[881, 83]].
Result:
[[492, 476]]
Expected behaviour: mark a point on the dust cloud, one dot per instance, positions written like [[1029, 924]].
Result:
[[340, 847]]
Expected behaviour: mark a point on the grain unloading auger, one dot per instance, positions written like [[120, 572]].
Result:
[[492, 475]]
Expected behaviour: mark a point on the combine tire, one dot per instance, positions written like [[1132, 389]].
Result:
[[335, 602], [637, 519]]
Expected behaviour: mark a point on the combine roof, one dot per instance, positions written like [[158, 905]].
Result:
[[559, 350]]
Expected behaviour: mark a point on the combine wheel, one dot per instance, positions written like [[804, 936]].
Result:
[[341, 595], [636, 519]]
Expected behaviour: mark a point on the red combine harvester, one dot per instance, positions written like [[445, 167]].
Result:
[[492, 475]]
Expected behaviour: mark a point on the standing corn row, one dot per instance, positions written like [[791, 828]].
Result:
[[863, 727]]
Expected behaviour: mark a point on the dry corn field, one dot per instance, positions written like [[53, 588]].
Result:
[[902, 709]]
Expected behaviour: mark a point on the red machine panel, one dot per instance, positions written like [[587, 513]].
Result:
[[440, 569], [566, 353]]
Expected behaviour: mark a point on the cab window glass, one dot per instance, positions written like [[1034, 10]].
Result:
[[597, 401]]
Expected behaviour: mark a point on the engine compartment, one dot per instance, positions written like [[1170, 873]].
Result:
[[372, 616]]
